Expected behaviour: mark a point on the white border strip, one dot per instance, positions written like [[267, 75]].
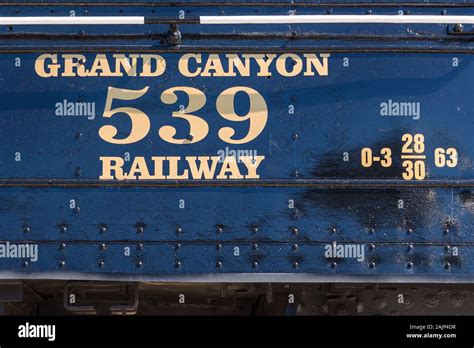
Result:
[[72, 20], [323, 19]]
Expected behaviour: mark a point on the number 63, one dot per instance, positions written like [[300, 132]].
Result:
[[198, 127]]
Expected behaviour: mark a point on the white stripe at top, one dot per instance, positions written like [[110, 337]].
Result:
[[335, 19], [106, 20]]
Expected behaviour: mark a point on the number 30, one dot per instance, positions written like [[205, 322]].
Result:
[[198, 127]]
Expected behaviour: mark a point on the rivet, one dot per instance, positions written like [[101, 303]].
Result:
[[63, 228], [458, 28], [103, 229], [139, 264], [61, 264], [409, 230], [295, 264], [446, 231], [78, 172], [294, 230], [25, 264], [372, 265], [371, 230], [371, 247], [26, 229], [219, 229], [254, 264], [177, 264], [179, 230], [102, 246], [409, 265], [334, 264], [219, 264], [140, 229], [77, 210], [100, 264], [444, 12], [254, 246], [140, 246], [296, 173], [189, 137], [62, 246], [333, 229], [369, 11], [254, 230], [78, 135], [410, 247], [447, 248], [329, 11], [295, 247], [295, 137], [219, 246], [177, 246], [447, 266]]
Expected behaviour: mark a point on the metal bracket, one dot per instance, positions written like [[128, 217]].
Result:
[[101, 298]]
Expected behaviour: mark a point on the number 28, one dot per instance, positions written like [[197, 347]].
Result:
[[198, 127]]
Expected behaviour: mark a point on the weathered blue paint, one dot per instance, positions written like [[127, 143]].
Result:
[[334, 200]]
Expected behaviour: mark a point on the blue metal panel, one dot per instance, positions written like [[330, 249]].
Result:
[[314, 186]]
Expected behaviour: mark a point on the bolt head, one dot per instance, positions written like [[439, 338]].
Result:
[[62, 264], [101, 264], [26, 229], [458, 28], [219, 264], [177, 264]]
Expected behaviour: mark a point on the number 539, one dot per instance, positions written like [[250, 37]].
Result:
[[198, 127]]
